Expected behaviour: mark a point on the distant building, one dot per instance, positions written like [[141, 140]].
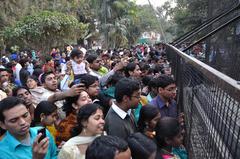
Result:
[[150, 37]]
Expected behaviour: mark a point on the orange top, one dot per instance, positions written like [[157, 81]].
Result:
[[65, 127]]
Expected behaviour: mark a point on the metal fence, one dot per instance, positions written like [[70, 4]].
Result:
[[210, 101], [216, 41]]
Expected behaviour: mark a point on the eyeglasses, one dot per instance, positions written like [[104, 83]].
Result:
[[138, 97], [171, 89]]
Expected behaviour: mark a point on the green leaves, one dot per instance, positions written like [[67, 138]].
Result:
[[189, 14], [120, 21], [49, 28]]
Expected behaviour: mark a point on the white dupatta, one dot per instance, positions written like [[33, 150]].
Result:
[[70, 148]]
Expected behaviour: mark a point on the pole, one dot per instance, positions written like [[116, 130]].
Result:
[[160, 25], [105, 22]]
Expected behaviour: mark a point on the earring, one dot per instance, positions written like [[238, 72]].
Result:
[[84, 131], [146, 125]]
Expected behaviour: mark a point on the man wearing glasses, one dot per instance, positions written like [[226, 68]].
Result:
[[166, 89], [120, 119]]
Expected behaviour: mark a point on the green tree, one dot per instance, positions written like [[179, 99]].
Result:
[[13, 10], [44, 30], [115, 17], [188, 14], [120, 22]]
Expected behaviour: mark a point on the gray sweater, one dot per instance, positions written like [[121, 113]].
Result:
[[116, 126]]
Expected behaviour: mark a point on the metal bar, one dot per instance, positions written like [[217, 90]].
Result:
[[230, 85], [234, 128], [222, 111], [211, 104], [212, 32], [203, 26], [230, 123], [238, 138]]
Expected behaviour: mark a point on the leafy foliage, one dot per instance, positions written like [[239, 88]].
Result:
[[28, 23], [189, 14], [44, 30]]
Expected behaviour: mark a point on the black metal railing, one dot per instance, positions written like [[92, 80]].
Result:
[[216, 42], [204, 26], [211, 103]]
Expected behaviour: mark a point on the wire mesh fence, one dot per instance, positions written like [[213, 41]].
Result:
[[221, 49], [210, 101]]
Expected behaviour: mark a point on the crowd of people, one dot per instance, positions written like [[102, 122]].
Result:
[[76, 103]]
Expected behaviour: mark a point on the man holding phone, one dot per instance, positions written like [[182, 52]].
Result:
[[20, 141]]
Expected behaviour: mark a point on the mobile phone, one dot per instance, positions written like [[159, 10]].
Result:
[[82, 85], [43, 132], [77, 81], [80, 82]]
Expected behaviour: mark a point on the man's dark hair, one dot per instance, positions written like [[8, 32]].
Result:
[[92, 57], [153, 83], [44, 76], [141, 146], [7, 104], [87, 79], [23, 62], [48, 58], [105, 147], [3, 69], [130, 67], [76, 53], [158, 69], [113, 79], [144, 66], [163, 81], [37, 72], [35, 78], [126, 87], [146, 80], [16, 89]]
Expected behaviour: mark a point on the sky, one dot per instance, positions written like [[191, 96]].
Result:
[[156, 3]]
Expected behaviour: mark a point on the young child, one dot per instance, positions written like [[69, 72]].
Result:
[[169, 139], [79, 66], [45, 115], [49, 65], [148, 118]]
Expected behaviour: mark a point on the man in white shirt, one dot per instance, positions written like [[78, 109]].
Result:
[[18, 67], [120, 120]]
